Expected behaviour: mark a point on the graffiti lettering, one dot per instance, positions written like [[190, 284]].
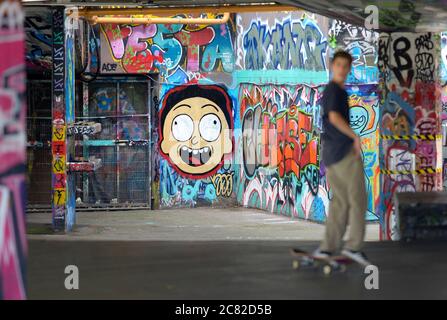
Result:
[[172, 50], [292, 44], [223, 183], [280, 152]]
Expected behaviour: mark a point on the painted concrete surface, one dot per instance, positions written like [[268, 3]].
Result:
[[227, 270], [196, 224]]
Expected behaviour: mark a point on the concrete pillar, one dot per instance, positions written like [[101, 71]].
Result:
[[59, 130], [63, 183], [410, 123], [13, 246]]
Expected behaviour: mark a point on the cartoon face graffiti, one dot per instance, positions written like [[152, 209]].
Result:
[[196, 129], [358, 118]]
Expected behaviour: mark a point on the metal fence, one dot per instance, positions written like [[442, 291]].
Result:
[[39, 148], [122, 107]]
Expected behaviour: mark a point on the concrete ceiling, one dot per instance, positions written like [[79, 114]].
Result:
[[398, 15]]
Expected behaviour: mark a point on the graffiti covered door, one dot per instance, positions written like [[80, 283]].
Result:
[[122, 107]]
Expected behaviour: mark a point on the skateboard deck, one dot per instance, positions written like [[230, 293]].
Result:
[[304, 258]]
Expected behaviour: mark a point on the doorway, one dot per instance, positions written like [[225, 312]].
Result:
[[122, 106]]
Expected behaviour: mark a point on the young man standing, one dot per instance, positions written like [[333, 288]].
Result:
[[341, 150]]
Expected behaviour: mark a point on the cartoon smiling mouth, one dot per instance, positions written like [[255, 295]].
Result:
[[195, 157], [357, 123]]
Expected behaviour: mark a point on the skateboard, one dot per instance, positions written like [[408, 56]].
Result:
[[328, 265]]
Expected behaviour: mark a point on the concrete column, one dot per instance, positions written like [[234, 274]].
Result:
[[63, 183], [410, 124], [59, 130], [13, 245]]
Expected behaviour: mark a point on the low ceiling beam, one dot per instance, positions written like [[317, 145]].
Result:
[[86, 12]]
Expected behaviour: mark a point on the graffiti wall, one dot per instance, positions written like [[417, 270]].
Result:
[[220, 86], [410, 122], [194, 127], [362, 86], [280, 116], [280, 167], [278, 160], [13, 246], [179, 53]]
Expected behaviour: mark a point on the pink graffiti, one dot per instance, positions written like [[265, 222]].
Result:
[[13, 245], [127, 45]]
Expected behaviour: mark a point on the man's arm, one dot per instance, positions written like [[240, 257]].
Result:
[[337, 120]]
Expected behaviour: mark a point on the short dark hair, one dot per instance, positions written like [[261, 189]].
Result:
[[214, 93], [342, 54]]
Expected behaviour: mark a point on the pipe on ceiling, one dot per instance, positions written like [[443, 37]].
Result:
[[159, 20], [86, 12]]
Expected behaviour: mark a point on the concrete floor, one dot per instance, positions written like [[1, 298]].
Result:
[[198, 224], [227, 270], [216, 254]]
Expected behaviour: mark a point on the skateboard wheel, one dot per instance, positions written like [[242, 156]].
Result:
[[296, 264], [327, 270]]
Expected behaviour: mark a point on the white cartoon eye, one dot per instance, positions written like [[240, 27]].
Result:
[[182, 127], [209, 127]]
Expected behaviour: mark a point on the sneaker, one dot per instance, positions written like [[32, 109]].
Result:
[[321, 254], [357, 256]]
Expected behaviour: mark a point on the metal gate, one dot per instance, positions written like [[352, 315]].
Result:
[[38, 128], [122, 106]]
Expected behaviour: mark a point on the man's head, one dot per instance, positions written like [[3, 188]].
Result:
[[196, 129], [341, 66]]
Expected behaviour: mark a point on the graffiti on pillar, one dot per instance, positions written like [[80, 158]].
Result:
[[443, 97], [409, 108], [424, 59], [396, 62], [196, 143], [13, 245], [364, 120], [280, 161], [289, 44], [180, 53], [361, 43], [59, 129]]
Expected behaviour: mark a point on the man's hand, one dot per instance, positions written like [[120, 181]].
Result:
[[341, 124], [358, 147]]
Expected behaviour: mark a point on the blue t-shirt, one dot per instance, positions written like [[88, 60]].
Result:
[[335, 144]]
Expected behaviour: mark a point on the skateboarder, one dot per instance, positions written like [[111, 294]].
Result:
[[341, 151]]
